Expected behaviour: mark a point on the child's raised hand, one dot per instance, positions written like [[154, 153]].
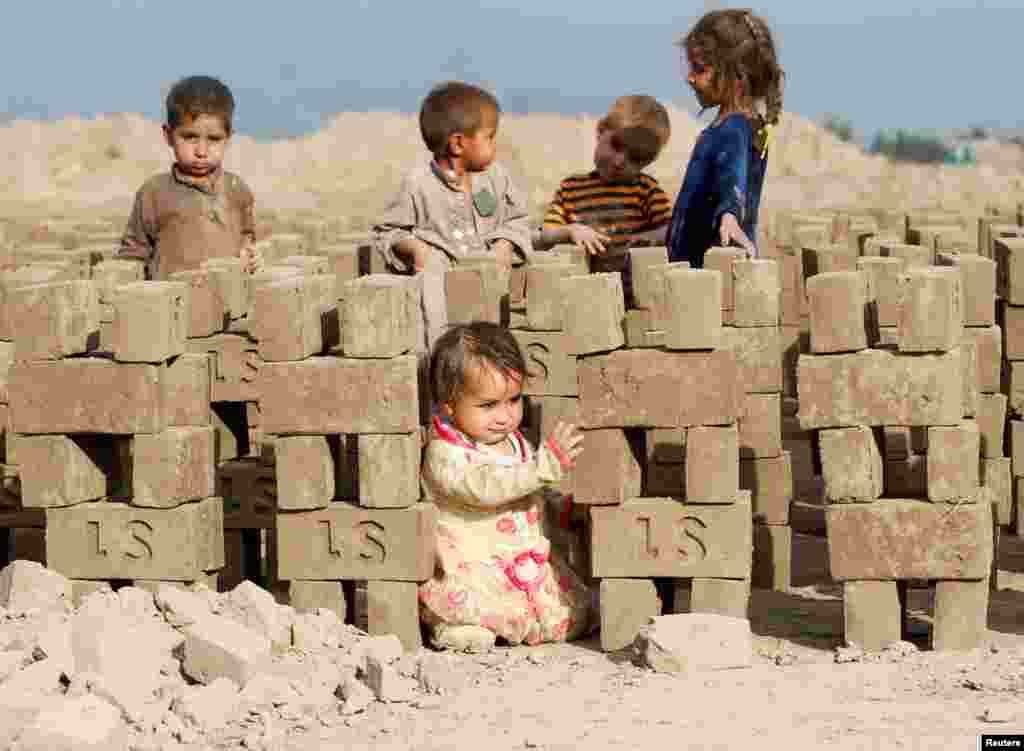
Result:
[[566, 441], [731, 231], [589, 238]]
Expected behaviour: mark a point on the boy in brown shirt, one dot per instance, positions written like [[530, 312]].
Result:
[[197, 211]]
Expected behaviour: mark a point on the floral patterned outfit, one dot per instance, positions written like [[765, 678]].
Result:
[[495, 566]]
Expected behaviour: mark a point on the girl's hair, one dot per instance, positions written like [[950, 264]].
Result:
[[738, 45], [472, 344]]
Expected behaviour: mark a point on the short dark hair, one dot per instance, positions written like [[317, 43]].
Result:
[[199, 95], [453, 107], [643, 123], [468, 344]]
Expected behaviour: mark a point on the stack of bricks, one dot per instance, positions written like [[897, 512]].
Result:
[[908, 396], [342, 420], [1009, 258], [659, 396], [115, 447]]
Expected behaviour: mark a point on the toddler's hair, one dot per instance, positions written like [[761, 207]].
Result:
[[644, 124], [453, 107], [472, 344], [199, 95], [739, 47]]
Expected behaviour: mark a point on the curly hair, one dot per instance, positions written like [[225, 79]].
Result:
[[644, 123]]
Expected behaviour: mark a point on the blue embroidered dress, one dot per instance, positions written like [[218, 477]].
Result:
[[725, 176]]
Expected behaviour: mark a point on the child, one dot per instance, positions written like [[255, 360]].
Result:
[[616, 205], [496, 574], [197, 210], [458, 204], [732, 66]]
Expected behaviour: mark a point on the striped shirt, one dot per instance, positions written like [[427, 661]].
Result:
[[620, 209]]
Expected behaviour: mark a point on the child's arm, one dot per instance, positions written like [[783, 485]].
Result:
[[392, 236], [514, 228], [252, 259], [139, 240], [558, 229], [489, 485], [732, 159]]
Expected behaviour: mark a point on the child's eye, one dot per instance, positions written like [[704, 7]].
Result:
[[516, 399]]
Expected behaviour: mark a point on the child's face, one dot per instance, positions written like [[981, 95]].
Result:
[[611, 159], [479, 149], [701, 78], [490, 406], [198, 143]]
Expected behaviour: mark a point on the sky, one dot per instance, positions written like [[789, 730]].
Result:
[[292, 64]]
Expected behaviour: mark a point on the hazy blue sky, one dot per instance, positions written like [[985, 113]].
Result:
[[880, 63]]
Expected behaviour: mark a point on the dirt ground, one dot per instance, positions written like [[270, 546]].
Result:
[[798, 694]]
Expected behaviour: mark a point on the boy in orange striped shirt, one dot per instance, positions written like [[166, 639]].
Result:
[[616, 205]]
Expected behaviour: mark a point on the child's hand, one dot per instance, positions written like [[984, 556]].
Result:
[[252, 259], [589, 238], [503, 253], [416, 251], [731, 231], [566, 442]]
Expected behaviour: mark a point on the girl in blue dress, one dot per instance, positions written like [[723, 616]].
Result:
[[733, 68]]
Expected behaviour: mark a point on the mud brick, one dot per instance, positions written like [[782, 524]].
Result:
[[770, 483], [286, 319], [230, 282], [872, 616], [641, 260], [880, 387], [342, 261], [978, 284], [1009, 258], [173, 467], [760, 426], [730, 597], [187, 391], [1015, 386], [961, 615], [661, 301], [792, 341], [840, 315], [651, 388], [544, 295], [327, 395], [909, 539], [606, 472], [721, 259], [207, 308], [105, 540], [379, 316], [914, 256], [991, 420], [988, 354], [233, 367], [87, 395], [901, 441], [475, 292], [249, 490], [636, 327], [907, 477], [305, 596], [150, 321], [57, 470], [627, 605], [757, 286], [109, 275], [52, 321], [543, 412], [553, 368], [931, 316], [885, 282], [1016, 447], [851, 465], [393, 607], [826, 259], [306, 472], [772, 563], [389, 470], [997, 480], [693, 320], [666, 462], [872, 246], [517, 288], [592, 311], [758, 355], [228, 438], [712, 464], [953, 457], [888, 337], [6, 360], [348, 542], [24, 277], [312, 265], [662, 537], [969, 365]]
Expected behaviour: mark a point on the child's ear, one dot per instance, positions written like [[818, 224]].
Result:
[[455, 144], [168, 135], [446, 409]]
